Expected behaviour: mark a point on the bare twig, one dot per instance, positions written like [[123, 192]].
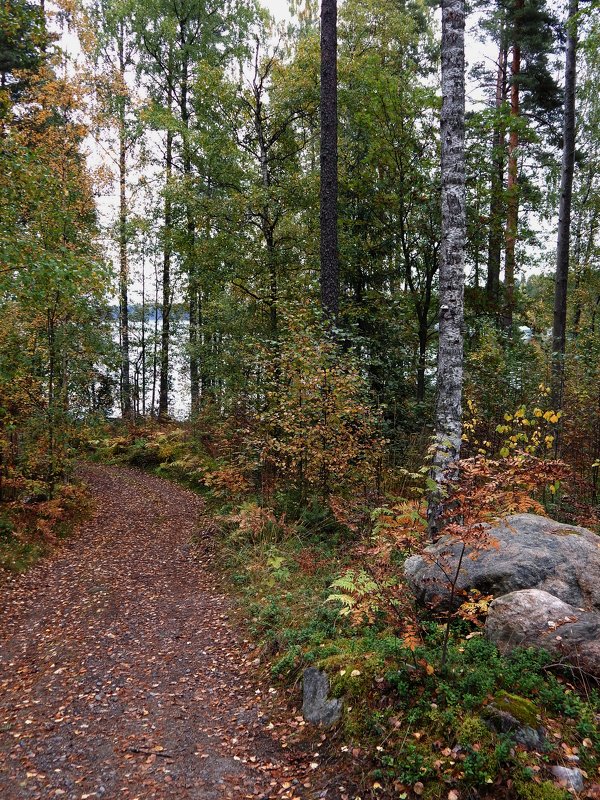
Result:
[[148, 752]]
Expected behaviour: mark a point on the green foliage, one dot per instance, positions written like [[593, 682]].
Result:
[[23, 36], [18, 556], [143, 454], [53, 283], [7, 526]]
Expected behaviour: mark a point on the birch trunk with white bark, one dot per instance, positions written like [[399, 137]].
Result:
[[448, 414]]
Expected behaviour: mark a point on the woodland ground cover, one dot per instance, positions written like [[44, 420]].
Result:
[[320, 582]]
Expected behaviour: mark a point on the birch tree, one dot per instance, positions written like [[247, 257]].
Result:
[[448, 427]]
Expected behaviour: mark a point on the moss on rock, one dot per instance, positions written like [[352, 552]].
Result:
[[520, 708]]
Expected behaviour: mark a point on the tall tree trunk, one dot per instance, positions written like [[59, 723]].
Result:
[[163, 392], [448, 413], [153, 409], [423, 309], [497, 182], [329, 167], [143, 337], [421, 364], [126, 409], [581, 252], [267, 224], [564, 213], [193, 287], [512, 203]]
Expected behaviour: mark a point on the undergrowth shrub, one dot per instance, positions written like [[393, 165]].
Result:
[[417, 685], [318, 430], [33, 525]]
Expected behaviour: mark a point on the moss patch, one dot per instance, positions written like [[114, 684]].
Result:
[[540, 791], [520, 708]]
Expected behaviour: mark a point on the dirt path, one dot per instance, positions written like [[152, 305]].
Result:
[[121, 673]]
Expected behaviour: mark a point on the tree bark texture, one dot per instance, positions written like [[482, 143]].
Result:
[[192, 267], [448, 414], [512, 202], [564, 213], [497, 182], [329, 166], [126, 408], [163, 390]]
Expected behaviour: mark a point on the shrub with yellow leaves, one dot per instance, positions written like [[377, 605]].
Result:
[[530, 431], [319, 430]]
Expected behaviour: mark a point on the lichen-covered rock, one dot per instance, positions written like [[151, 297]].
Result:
[[523, 710], [518, 717], [526, 552], [316, 707], [534, 618]]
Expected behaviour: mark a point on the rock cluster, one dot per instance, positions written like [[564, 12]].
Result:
[[545, 578], [524, 551], [544, 575]]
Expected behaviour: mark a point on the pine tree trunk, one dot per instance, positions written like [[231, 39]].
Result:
[[564, 214], [163, 391], [143, 338], [448, 414], [153, 409], [512, 203], [497, 183], [126, 409], [329, 166], [192, 270]]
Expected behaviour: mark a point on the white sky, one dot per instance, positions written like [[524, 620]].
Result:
[[279, 8]]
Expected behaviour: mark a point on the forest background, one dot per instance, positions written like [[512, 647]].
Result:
[[213, 158]]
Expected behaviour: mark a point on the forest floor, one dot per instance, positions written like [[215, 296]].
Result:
[[125, 674]]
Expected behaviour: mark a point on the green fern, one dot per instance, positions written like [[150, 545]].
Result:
[[354, 586]]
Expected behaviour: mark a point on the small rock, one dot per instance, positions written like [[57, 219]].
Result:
[[316, 707], [525, 735], [569, 777]]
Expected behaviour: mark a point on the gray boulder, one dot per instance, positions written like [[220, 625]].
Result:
[[316, 707], [534, 618], [525, 551], [569, 777]]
